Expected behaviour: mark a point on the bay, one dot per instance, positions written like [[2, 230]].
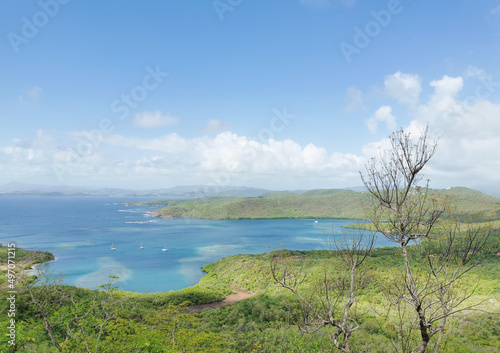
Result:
[[80, 231]]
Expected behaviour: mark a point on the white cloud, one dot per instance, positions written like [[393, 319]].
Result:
[[383, 115], [474, 72], [447, 86], [443, 102], [495, 10], [33, 94], [170, 143], [468, 131], [176, 160], [356, 99], [151, 120], [405, 88], [214, 126]]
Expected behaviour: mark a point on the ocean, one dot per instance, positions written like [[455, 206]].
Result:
[[80, 232]]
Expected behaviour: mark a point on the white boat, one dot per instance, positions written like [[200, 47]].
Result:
[[164, 248], [141, 247], [112, 247]]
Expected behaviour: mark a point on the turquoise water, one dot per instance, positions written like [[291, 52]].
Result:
[[79, 231]]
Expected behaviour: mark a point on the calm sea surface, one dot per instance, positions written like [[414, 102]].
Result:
[[79, 231]]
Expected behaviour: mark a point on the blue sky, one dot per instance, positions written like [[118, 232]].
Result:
[[285, 94]]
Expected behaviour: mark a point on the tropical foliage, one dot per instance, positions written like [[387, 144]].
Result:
[[131, 322], [345, 204]]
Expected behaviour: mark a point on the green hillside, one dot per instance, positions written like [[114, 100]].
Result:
[[472, 201], [334, 203], [154, 322], [174, 202]]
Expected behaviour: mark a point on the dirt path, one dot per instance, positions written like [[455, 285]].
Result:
[[230, 299]]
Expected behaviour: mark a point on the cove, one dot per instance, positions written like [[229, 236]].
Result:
[[80, 231]]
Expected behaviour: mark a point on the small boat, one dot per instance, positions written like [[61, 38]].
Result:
[[164, 248], [141, 247], [112, 247]]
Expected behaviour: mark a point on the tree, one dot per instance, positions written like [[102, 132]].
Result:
[[91, 316], [47, 296], [70, 317], [410, 215], [329, 302]]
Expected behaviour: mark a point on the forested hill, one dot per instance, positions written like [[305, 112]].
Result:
[[310, 204]]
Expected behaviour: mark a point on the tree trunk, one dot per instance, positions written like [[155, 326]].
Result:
[[48, 327], [422, 322]]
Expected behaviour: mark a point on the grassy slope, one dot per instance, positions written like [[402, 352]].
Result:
[[332, 204], [473, 332], [311, 204], [257, 320], [472, 201]]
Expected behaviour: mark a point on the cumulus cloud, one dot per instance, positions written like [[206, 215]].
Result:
[[214, 126], [467, 128], [443, 102], [224, 158], [405, 88], [447, 86], [382, 115], [151, 120]]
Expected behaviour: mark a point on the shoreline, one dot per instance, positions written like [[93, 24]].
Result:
[[21, 273], [34, 267]]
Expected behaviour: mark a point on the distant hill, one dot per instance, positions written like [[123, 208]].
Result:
[[177, 191], [472, 201], [324, 203], [310, 204]]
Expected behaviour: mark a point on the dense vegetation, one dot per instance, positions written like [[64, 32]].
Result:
[[310, 204], [24, 260], [133, 322], [50, 317]]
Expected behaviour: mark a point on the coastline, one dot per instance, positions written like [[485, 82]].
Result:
[[33, 268]]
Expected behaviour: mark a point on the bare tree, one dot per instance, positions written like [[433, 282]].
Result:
[[328, 304], [407, 214]]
